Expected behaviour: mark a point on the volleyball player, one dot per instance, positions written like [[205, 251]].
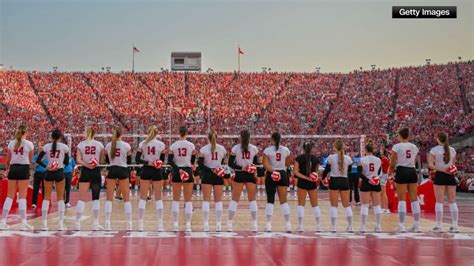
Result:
[[369, 170], [441, 159], [118, 154], [19, 156], [384, 157], [338, 166], [90, 153], [182, 157], [212, 174], [151, 153], [243, 159], [276, 160], [58, 156], [306, 170], [402, 162]]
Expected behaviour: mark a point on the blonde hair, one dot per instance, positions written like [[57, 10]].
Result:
[[90, 133], [152, 133], [20, 132], [117, 133], [443, 138], [212, 136], [339, 146]]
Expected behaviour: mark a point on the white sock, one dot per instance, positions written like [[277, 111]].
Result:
[[253, 209], [127, 207], [285, 210], [175, 210], [402, 212], [188, 211], [22, 209], [364, 212], [439, 213], [79, 210], [44, 210], [95, 211], [205, 211], [348, 215], [61, 209], [415, 208], [108, 210], [232, 210], [141, 209], [159, 210], [378, 215], [219, 210], [7, 205], [333, 215], [300, 214], [317, 215], [453, 208], [269, 212]]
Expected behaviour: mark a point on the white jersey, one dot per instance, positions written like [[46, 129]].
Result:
[[406, 154], [121, 152], [370, 165], [152, 150], [182, 151], [58, 155], [22, 154], [277, 158], [213, 159], [333, 160], [90, 149], [244, 158], [438, 153]]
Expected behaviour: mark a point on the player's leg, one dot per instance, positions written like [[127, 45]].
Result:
[[376, 200], [22, 192], [188, 204], [111, 184], [333, 200], [415, 206], [83, 188], [402, 206], [158, 189], [364, 210], [313, 198], [301, 195], [439, 195], [60, 193], [218, 191], [252, 197], [236, 192], [176, 186], [453, 208], [270, 190], [144, 190], [206, 198], [12, 186], [124, 185], [345, 200]]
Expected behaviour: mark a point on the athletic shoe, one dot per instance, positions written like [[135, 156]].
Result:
[[160, 226], [218, 227], [349, 229], [68, 205], [188, 228], [332, 229], [268, 227], [386, 211], [299, 228], [229, 226], [206, 227], [175, 227], [358, 204], [26, 227], [254, 226], [140, 225], [44, 227], [77, 227], [378, 229], [415, 229], [454, 229], [61, 227], [3, 226], [108, 226], [97, 227], [400, 229], [318, 228], [437, 229], [362, 229], [33, 206], [129, 226]]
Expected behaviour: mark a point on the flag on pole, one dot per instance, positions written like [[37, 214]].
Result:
[[135, 49], [240, 51]]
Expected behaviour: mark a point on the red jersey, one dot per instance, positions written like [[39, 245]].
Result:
[[385, 164]]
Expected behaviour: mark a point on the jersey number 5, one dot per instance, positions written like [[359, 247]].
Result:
[[408, 154]]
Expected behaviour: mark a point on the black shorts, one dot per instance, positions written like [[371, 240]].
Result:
[[244, 177], [210, 178], [444, 179], [19, 172], [405, 175], [118, 172], [177, 179], [367, 187], [284, 181], [56, 176], [151, 173], [89, 175], [305, 184], [339, 183]]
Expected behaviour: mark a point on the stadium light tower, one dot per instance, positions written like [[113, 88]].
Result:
[[459, 58], [373, 67], [55, 68], [318, 69], [428, 61]]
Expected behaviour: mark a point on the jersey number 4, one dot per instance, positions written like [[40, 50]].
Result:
[[18, 151]]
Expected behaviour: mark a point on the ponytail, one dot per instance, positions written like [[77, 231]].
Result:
[[443, 138], [339, 146], [308, 147], [90, 133], [370, 146], [276, 137], [117, 133], [212, 136], [152, 132], [20, 132], [245, 140], [55, 135]]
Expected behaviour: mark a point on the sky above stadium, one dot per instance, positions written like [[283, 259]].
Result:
[[337, 36]]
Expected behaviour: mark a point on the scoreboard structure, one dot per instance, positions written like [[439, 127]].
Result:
[[186, 61]]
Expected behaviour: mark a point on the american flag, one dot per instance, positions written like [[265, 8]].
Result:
[[135, 49]]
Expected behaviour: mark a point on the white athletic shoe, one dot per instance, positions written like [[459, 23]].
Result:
[[175, 227], [61, 227], [160, 226], [44, 227], [268, 227], [362, 229], [68, 205], [140, 225], [415, 229], [378, 229], [386, 211], [188, 227], [332, 229], [254, 226], [77, 226], [229, 226], [400, 229], [25, 226], [218, 227], [349, 229], [454, 229], [108, 226], [318, 228], [437, 229], [206, 227], [3, 226], [97, 227], [299, 228], [129, 226]]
